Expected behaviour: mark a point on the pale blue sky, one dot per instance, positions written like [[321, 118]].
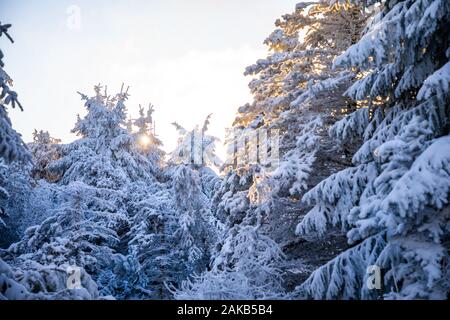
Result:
[[186, 57]]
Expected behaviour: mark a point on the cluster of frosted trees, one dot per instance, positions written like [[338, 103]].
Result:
[[359, 92], [358, 96], [103, 216], [107, 212]]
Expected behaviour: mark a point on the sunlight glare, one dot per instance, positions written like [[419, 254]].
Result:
[[144, 141]]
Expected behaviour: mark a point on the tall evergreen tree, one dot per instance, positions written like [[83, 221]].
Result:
[[11, 145], [197, 228], [173, 228], [393, 202], [298, 94], [146, 139]]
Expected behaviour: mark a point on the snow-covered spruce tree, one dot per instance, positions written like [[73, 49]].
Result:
[[291, 91], [152, 221], [297, 92], [105, 155], [173, 227], [146, 138], [193, 235], [196, 152], [243, 266], [192, 183], [11, 145], [244, 263], [11, 148], [393, 203]]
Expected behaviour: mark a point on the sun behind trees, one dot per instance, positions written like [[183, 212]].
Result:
[[349, 202]]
